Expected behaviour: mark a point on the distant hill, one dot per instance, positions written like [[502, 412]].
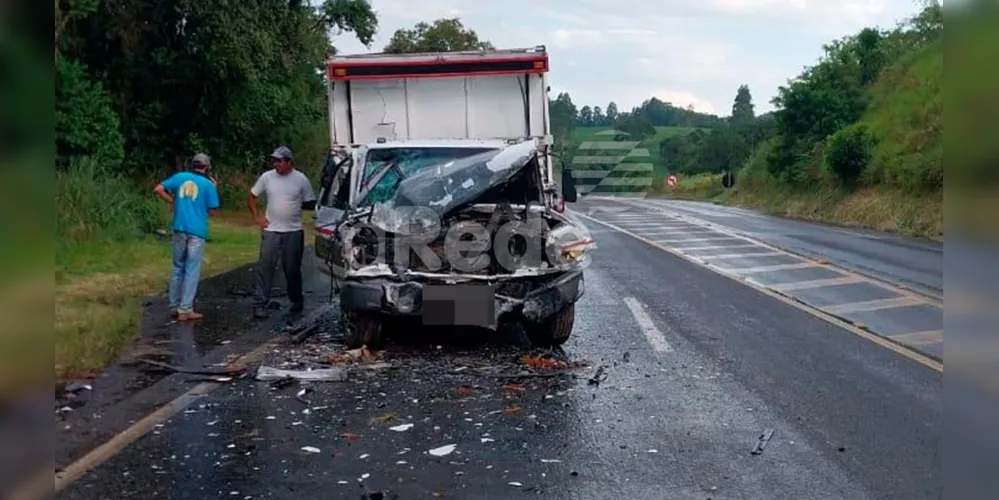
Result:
[[581, 134]]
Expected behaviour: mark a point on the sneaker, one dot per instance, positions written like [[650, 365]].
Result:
[[174, 313], [191, 316]]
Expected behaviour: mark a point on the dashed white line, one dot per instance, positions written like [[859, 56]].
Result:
[[648, 326], [768, 269], [804, 285], [742, 255], [920, 338]]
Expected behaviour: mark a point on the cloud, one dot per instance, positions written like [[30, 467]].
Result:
[[683, 99], [685, 51]]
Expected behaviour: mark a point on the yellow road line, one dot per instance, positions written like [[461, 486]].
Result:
[[113, 446]]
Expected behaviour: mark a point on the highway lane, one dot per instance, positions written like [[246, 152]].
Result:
[[912, 262], [735, 242], [697, 367]]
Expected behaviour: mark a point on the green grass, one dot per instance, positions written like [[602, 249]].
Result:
[[99, 284], [107, 259], [906, 118]]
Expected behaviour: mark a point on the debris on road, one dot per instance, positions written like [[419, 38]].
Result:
[[310, 449], [402, 428], [267, 373], [443, 451], [598, 377], [225, 371], [762, 441]]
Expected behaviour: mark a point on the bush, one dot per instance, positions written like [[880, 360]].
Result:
[[848, 152], [85, 124], [93, 202]]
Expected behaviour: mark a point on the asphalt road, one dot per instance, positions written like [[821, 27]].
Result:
[[697, 366], [864, 279]]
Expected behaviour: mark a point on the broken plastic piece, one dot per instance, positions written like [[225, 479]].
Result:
[[762, 441], [320, 375], [310, 449], [402, 428], [443, 451]]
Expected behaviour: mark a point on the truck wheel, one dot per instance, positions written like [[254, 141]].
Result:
[[362, 328], [554, 330]]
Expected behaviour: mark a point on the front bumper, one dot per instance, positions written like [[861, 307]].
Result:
[[406, 298]]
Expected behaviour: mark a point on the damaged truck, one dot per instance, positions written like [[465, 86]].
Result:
[[438, 201]]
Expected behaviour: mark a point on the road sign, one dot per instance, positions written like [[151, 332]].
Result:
[[672, 180]]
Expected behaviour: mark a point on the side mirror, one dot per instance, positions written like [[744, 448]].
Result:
[[569, 192]]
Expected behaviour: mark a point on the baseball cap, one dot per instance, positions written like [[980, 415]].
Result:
[[282, 153], [201, 159]]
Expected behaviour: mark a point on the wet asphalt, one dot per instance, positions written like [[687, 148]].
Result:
[[682, 405]]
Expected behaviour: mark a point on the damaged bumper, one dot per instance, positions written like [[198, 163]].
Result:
[[387, 296]]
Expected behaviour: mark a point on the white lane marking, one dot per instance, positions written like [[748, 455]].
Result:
[[693, 240], [638, 224], [742, 255], [716, 247], [804, 285], [767, 269], [648, 326], [920, 338], [874, 305]]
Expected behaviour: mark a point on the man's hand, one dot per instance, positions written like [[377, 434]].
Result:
[[262, 222], [163, 194]]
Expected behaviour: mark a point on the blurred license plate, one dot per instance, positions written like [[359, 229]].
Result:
[[459, 305]]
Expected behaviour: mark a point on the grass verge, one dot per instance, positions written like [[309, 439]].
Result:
[[99, 284]]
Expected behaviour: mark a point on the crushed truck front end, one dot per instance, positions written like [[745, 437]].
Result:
[[439, 200]]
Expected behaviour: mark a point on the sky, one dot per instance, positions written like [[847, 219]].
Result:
[[686, 52]]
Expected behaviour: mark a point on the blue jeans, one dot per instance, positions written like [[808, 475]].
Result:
[[188, 250]]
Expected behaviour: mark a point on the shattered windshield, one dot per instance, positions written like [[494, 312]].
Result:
[[409, 161], [458, 182]]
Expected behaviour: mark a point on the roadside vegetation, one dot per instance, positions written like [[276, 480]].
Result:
[[141, 87], [855, 139]]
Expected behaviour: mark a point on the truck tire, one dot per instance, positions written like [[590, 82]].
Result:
[[554, 330], [362, 329]]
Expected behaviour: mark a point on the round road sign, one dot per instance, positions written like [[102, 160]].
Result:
[[672, 180]]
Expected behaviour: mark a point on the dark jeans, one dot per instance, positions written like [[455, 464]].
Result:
[[288, 248]]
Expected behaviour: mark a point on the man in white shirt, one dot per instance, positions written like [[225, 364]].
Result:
[[289, 192]]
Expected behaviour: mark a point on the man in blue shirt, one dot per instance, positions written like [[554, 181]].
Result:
[[193, 196]]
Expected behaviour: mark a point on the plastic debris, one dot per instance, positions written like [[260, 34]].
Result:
[[515, 483], [319, 375], [443, 451], [402, 428], [310, 449], [550, 461], [762, 441]]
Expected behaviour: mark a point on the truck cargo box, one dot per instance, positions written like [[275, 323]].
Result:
[[483, 95]]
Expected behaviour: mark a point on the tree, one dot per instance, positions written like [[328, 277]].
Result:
[[181, 74], [743, 114], [444, 35], [563, 115], [638, 127], [598, 116], [586, 116], [611, 112]]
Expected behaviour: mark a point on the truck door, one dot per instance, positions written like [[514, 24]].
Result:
[[334, 200]]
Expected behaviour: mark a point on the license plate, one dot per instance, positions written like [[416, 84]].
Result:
[[459, 305]]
